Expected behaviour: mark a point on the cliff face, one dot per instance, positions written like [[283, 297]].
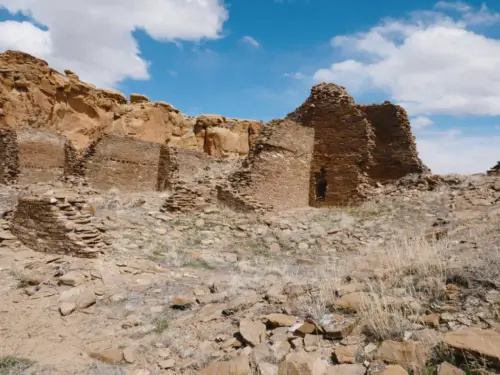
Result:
[[32, 95]]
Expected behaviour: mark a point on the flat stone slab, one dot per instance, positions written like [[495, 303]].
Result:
[[475, 341]]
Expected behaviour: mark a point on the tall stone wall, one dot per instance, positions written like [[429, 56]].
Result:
[[343, 143], [395, 153], [277, 170], [124, 163], [9, 156], [42, 156]]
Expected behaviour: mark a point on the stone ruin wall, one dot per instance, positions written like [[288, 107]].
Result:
[[42, 156], [276, 172], [57, 224], [343, 140], [9, 156], [124, 163], [357, 146], [395, 153]]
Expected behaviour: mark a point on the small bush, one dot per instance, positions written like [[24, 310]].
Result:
[[11, 365]]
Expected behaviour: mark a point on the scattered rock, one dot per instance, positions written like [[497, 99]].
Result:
[[280, 320], [302, 363], [475, 341], [346, 354], [355, 369], [67, 308], [110, 356], [391, 370], [237, 366], [72, 278], [253, 332], [446, 368], [407, 354], [129, 355], [182, 302], [166, 364]]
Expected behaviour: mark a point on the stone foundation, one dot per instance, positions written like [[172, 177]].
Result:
[[57, 224]]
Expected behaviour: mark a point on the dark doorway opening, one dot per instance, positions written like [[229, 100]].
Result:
[[321, 185]]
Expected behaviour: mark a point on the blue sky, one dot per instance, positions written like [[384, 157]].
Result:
[[258, 59]]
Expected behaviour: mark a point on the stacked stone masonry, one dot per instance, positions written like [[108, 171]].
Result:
[[395, 151], [276, 172], [57, 224], [125, 163], [9, 156], [327, 152], [42, 156]]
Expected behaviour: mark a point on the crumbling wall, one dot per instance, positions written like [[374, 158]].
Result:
[[343, 142], [188, 165], [56, 224], [124, 163], [9, 156], [276, 172], [395, 153], [42, 156]]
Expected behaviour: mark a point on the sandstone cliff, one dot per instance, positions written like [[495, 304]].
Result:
[[32, 95]]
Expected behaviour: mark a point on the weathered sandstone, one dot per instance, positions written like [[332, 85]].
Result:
[[36, 96]]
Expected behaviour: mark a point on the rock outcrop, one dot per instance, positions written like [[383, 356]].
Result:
[[34, 95], [495, 171]]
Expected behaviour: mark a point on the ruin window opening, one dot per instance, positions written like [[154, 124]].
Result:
[[321, 184]]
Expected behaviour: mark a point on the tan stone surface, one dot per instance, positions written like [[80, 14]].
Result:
[[237, 366], [33, 94], [475, 341]]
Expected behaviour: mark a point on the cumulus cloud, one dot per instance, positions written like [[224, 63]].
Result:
[[251, 41], [94, 37], [294, 75], [421, 122], [452, 152], [430, 62]]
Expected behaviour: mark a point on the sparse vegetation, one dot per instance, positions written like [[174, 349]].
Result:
[[11, 365], [161, 323]]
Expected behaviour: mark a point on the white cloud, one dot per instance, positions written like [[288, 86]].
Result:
[[251, 41], [94, 37], [430, 62], [450, 152], [421, 122], [294, 75]]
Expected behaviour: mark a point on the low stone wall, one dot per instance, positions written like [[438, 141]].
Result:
[[9, 156], [42, 156], [56, 224]]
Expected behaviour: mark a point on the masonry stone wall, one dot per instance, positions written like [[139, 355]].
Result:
[[343, 141], [277, 170], [395, 153], [9, 156], [124, 163], [42, 156], [326, 153], [57, 224]]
